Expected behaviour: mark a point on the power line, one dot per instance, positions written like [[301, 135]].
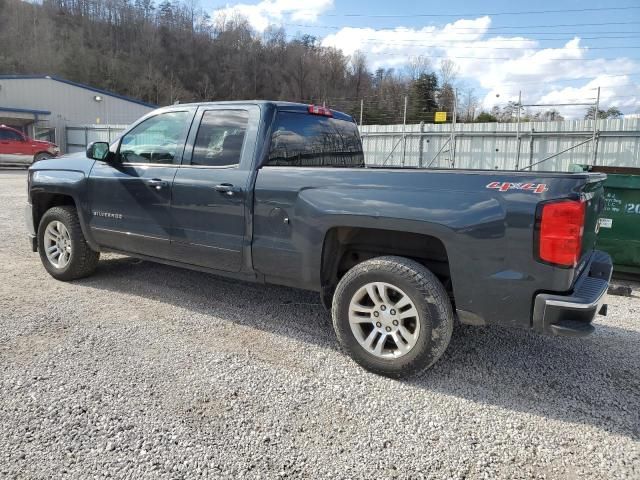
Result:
[[507, 58], [494, 14], [509, 39], [381, 97], [575, 79], [485, 47], [482, 29], [294, 37]]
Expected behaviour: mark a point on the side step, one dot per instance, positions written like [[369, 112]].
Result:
[[572, 328]]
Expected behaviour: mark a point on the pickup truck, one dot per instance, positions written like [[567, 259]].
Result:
[[18, 149], [280, 193]]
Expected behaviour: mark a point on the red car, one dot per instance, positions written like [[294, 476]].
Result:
[[18, 149]]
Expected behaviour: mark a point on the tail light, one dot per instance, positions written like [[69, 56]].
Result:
[[317, 110], [560, 232]]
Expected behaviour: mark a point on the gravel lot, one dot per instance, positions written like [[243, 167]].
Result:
[[148, 371]]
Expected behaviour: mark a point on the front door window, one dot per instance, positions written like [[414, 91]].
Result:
[[157, 140]]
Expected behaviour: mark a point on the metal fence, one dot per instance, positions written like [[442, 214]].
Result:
[[78, 137], [550, 146], [499, 146]]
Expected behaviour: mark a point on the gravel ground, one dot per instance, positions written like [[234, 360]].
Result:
[[148, 371]]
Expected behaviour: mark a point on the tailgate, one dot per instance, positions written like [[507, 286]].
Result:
[[592, 192]]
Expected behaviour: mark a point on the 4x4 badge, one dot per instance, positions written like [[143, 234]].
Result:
[[506, 186]]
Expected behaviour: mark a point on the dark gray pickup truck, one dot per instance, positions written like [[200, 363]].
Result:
[[279, 193]]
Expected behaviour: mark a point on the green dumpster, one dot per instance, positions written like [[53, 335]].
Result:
[[620, 221]]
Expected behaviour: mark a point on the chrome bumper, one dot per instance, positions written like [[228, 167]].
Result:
[[572, 314]]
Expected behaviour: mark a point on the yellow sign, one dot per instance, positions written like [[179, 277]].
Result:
[[441, 116]]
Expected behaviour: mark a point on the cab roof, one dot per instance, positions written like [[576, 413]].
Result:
[[279, 105]]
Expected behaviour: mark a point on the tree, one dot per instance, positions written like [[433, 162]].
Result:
[[163, 51], [547, 116], [468, 105], [447, 94], [359, 72], [486, 117], [417, 67], [510, 112], [611, 112], [423, 98], [448, 72]]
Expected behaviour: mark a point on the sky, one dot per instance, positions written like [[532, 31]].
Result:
[[550, 51]]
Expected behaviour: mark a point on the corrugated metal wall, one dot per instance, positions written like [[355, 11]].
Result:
[[494, 145], [478, 145], [78, 137]]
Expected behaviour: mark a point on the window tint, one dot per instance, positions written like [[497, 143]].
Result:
[[9, 135], [156, 140], [219, 139], [304, 140]]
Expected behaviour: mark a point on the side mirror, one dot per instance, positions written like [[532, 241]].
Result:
[[98, 150]]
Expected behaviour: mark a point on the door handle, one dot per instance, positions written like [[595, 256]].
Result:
[[227, 189], [157, 183]]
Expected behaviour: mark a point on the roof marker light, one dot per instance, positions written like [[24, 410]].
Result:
[[318, 110]]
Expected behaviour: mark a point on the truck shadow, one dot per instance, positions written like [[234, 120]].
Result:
[[584, 381]]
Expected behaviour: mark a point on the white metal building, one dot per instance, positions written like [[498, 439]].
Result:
[[44, 106]]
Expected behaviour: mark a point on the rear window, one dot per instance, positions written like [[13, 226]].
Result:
[[304, 140]]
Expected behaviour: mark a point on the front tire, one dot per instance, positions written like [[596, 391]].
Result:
[[41, 156], [63, 249], [392, 316]]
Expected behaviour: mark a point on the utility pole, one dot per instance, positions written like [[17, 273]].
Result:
[[361, 109], [531, 150], [518, 130], [594, 138], [404, 129], [421, 144], [452, 139]]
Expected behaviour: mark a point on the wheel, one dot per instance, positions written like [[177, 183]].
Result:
[[63, 249], [41, 156], [392, 316]]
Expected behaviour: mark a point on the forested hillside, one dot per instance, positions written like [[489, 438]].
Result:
[[173, 51]]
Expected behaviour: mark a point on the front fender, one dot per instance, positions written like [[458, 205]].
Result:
[[70, 183]]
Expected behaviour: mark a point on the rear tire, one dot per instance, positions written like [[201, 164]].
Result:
[[63, 249], [392, 316]]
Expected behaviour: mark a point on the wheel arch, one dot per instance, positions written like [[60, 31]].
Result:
[[345, 247], [40, 152], [42, 200]]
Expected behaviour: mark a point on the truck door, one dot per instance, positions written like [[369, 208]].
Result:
[[129, 197], [14, 148], [211, 190]]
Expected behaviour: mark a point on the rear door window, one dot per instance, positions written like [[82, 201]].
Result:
[[304, 140], [220, 138]]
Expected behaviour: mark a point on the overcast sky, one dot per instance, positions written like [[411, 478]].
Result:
[[500, 46]]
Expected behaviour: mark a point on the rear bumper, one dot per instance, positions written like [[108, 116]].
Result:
[[572, 314]]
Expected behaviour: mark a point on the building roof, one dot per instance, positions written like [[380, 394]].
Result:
[[24, 110], [75, 84]]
